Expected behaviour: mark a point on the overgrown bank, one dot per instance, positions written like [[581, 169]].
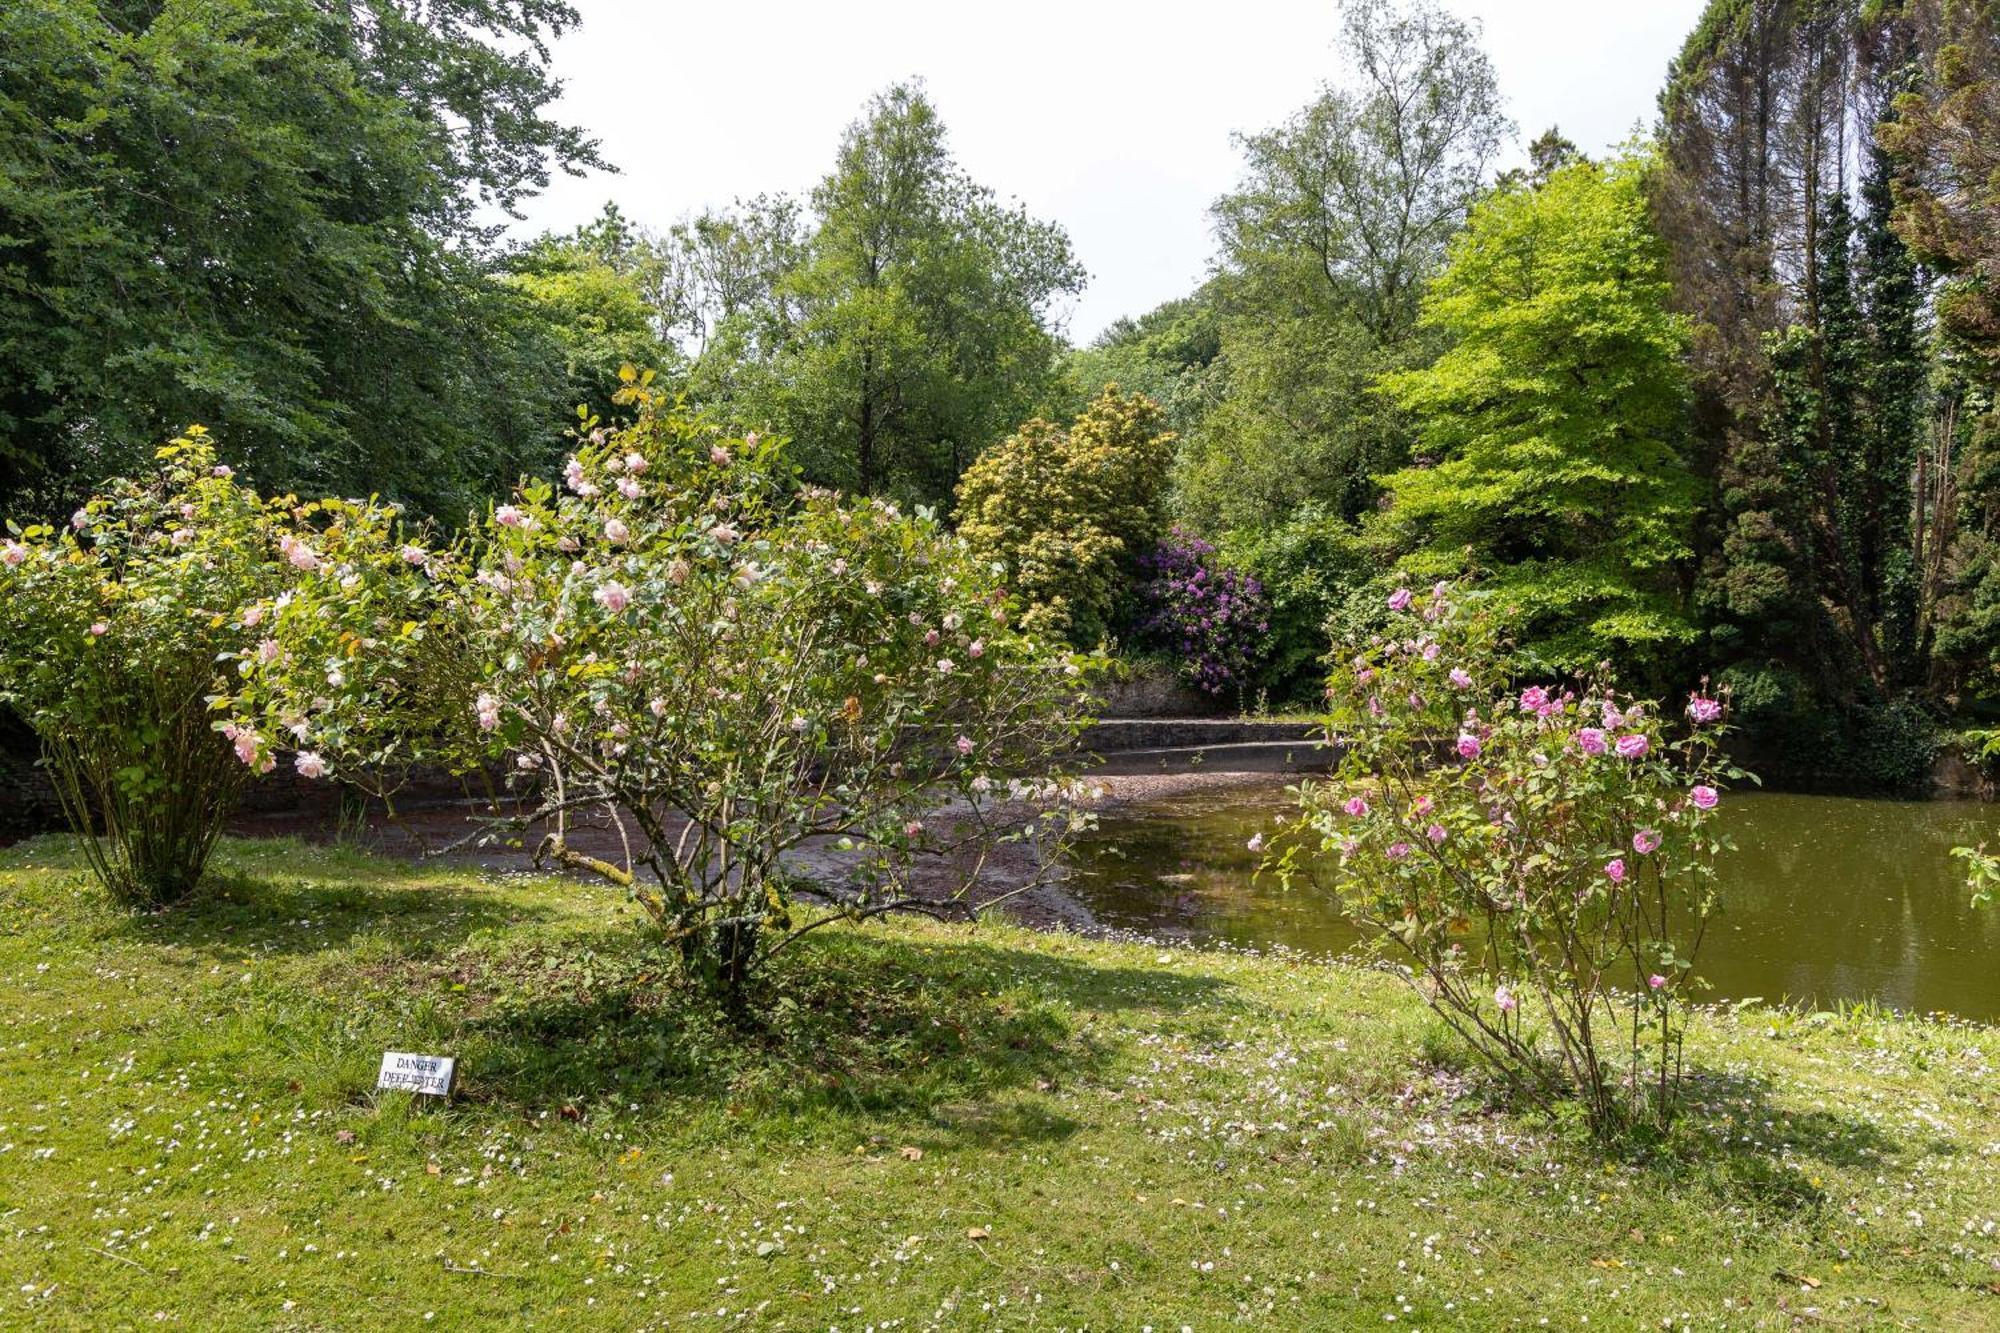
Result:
[[941, 1126]]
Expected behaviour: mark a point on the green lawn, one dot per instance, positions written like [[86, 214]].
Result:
[[941, 1127]]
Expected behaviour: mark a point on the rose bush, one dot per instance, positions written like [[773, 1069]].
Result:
[[115, 632], [710, 670], [1543, 857]]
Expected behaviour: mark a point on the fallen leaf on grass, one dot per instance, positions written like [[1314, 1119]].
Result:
[[911, 1153], [977, 1233]]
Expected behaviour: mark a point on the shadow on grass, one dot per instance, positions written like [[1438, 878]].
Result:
[[283, 898], [1737, 1139], [853, 1025]]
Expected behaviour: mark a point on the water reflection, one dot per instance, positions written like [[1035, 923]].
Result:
[[1826, 898]]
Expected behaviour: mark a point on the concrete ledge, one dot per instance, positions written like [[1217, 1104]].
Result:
[[1164, 733]]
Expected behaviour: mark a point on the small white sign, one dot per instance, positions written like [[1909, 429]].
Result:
[[427, 1074]]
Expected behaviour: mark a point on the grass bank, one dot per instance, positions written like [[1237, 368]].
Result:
[[941, 1127]]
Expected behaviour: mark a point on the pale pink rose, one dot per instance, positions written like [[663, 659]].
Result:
[[507, 516], [930, 638], [977, 648], [1704, 797], [1468, 745], [678, 571], [13, 555], [1399, 851], [1435, 833], [628, 488], [1400, 599], [310, 764], [750, 440], [1256, 843], [415, 555], [1633, 746], [1614, 870], [246, 745], [1591, 740], [658, 707], [181, 536], [222, 470], [964, 744], [635, 463], [253, 617], [946, 666], [725, 534], [613, 597], [1459, 679], [573, 476], [269, 651], [1504, 999], [1656, 981], [719, 456], [1645, 841], [488, 709], [800, 724], [913, 829], [98, 629], [80, 519], [1430, 651]]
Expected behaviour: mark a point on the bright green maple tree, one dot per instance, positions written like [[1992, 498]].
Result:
[[1551, 434]]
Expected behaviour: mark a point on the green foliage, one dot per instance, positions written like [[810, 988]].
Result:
[[1342, 215], [264, 215], [1559, 842], [905, 328], [593, 292], [1068, 513], [724, 671], [1554, 428], [1310, 567]]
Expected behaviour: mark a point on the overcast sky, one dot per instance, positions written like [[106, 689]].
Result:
[[1112, 117]]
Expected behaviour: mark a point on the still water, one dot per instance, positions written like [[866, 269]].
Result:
[[1826, 898]]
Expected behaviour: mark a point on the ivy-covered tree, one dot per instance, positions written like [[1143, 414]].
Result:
[[1551, 436], [269, 216]]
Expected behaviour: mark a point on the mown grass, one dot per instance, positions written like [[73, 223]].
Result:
[[937, 1127]]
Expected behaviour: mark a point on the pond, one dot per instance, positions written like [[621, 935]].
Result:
[[1827, 898]]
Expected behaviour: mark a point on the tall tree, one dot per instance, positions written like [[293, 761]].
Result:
[[264, 215], [1342, 215], [1555, 426], [912, 320]]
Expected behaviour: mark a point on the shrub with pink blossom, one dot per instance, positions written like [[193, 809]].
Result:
[[715, 672], [1209, 619], [1542, 854], [116, 631]]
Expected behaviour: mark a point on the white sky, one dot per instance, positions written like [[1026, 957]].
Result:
[[1111, 118]]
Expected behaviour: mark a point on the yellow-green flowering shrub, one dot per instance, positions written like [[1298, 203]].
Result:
[[1069, 512]]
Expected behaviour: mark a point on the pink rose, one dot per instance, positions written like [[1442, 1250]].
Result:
[[718, 456], [1468, 745], [507, 516], [1435, 833], [1534, 699], [1704, 797], [1656, 981], [1256, 843], [613, 597], [628, 488], [1645, 841], [1614, 870], [1633, 746], [98, 629], [1356, 806], [310, 764], [1459, 679], [1399, 851], [1703, 709], [1399, 599], [616, 532], [964, 744], [1590, 740], [1504, 999]]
